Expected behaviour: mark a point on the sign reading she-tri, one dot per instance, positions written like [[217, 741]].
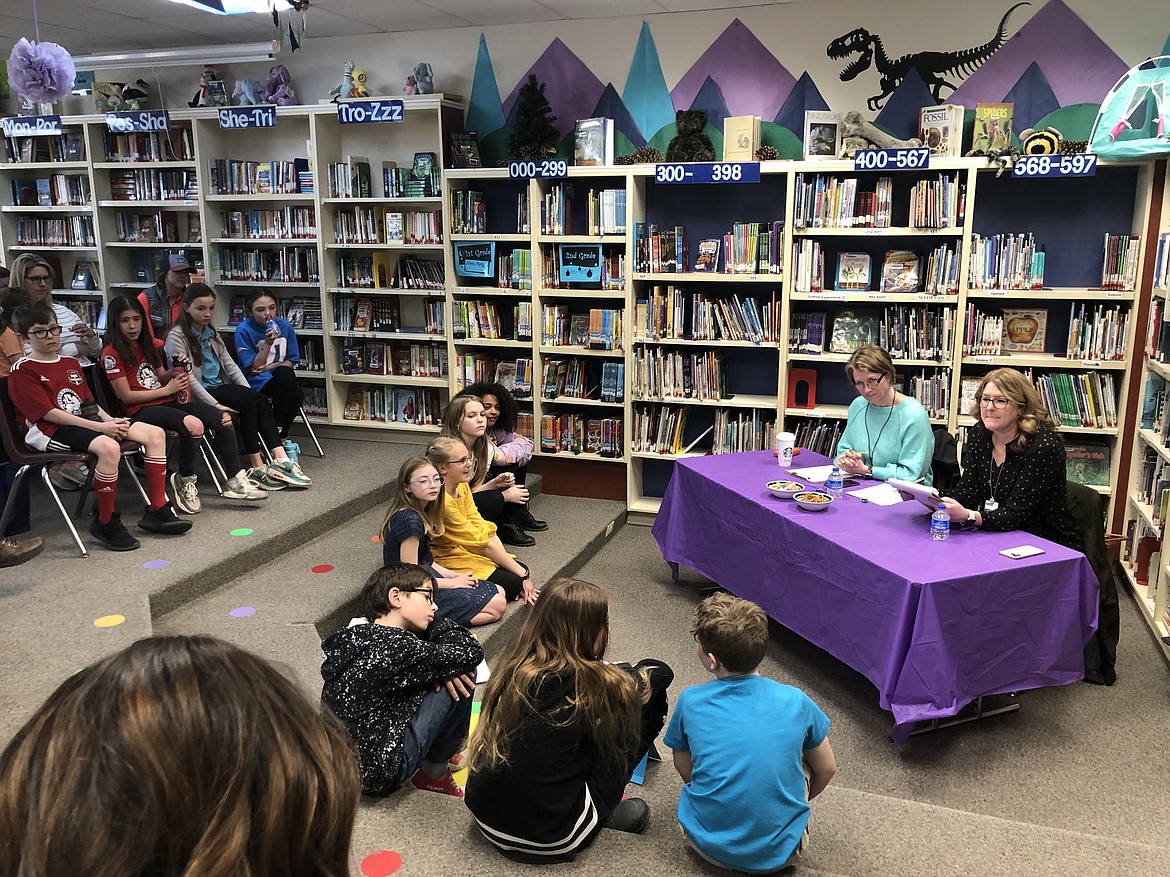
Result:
[[359, 112], [248, 117], [32, 126], [138, 121]]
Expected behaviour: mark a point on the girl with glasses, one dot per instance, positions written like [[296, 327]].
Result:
[[415, 515], [1013, 464], [888, 434]]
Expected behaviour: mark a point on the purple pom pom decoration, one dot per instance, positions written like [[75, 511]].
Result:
[[43, 72]]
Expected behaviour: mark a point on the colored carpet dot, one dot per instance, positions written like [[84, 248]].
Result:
[[381, 864], [156, 564], [109, 621], [242, 611], [375, 538], [323, 567], [241, 531]]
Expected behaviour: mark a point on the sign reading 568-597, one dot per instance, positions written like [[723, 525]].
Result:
[[360, 112]]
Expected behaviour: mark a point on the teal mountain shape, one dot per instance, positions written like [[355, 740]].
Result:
[[484, 111], [646, 96]]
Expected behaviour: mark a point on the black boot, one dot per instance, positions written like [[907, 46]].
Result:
[[526, 522], [510, 534]]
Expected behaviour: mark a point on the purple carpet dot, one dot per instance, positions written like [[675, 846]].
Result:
[[242, 612], [156, 564]]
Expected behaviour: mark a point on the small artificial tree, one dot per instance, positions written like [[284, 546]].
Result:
[[534, 135]]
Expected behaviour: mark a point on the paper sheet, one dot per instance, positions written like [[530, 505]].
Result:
[[813, 474], [879, 494]]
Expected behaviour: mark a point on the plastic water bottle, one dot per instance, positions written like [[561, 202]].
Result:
[[834, 487], [940, 524]]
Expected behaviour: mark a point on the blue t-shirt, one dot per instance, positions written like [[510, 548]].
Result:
[[210, 371], [249, 334], [745, 805]]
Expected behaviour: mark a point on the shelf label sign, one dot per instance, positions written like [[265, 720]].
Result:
[[1037, 166], [364, 112], [248, 117], [544, 169], [913, 159], [580, 263], [138, 121], [32, 126], [708, 172]]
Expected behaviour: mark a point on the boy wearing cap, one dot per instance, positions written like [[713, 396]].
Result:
[[161, 301]]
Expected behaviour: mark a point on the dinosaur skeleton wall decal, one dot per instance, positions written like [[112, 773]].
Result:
[[931, 66]]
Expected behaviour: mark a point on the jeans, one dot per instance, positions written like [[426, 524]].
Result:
[[436, 733]]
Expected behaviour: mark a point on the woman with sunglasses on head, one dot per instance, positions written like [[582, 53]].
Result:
[[1013, 465], [888, 434]]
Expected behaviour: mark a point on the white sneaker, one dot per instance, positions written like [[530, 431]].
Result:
[[240, 487], [186, 493]]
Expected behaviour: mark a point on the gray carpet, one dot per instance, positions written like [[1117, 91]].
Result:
[[1070, 784]]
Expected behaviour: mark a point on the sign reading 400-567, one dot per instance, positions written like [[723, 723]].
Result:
[[364, 112]]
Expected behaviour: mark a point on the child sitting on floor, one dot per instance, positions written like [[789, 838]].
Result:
[[741, 807], [402, 684]]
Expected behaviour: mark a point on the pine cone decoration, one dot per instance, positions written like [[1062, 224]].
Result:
[[645, 155], [767, 153]]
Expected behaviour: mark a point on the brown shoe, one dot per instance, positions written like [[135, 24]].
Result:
[[16, 550]]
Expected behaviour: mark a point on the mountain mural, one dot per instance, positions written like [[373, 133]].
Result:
[[1077, 64], [899, 116], [750, 79], [710, 100], [646, 96], [610, 106], [484, 111], [1033, 98], [571, 88], [804, 96]]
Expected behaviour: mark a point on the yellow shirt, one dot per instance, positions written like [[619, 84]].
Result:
[[465, 534]]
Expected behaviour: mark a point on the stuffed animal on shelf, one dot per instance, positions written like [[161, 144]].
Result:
[[857, 133], [109, 96], [359, 89], [345, 88], [1046, 142], [410, 86], [278, 88], [202, 97], [424, 78], [249, 91], [134, 94], [690, 144]]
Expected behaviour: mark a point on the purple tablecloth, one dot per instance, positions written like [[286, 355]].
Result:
[[932, 624]]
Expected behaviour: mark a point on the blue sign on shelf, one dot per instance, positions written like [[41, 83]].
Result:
[[708, 172], [127, 122], [545, 169], [363, 112], [913, 159], [248, 117], [32, 126], [1037, 166]]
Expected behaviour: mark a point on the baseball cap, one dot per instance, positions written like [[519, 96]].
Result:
[[176, 262]]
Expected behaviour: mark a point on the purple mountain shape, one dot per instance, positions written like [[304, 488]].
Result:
[[900, 114], [1033, 98], [751, 80], [571, 88], [611, 106], [804, 96], [1078, 65], [710, 99]]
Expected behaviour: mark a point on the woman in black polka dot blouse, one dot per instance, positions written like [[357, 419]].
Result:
[[1013, 465]]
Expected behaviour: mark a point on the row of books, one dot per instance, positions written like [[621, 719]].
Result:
[[514, 269], [173, 145], [147, 184], [611, 271], [407, 405], [754, 248], [917, 332], [416, 360], [577, 434], [282, 222], [316, 402], [1162, 262], [660, 250], [472, 368], [659, 429], [56, 190], [556, 209], [469, 212], [159, 226], [232, 177], [1006, 261], [486, 319], [583, 379], [600, 329], [808, 266], [1119, 261], [819, 435], [312, 355], [662, 375], [364, 225], [835, 202], [932, 390], [665, 315], [65, 231], [1086, 399], [69, 146], [423, 179], [302, 313], [605, 212], [737, 430], [1158, 331], [1098, 333], [940, 203], [283, 265], [365, 314]]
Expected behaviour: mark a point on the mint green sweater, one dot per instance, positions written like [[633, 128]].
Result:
[[902, 449]]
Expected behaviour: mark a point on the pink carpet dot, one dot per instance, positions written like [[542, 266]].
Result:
[[156, 564], [323, 567], [242, 612], [375, 538], [381, 864]]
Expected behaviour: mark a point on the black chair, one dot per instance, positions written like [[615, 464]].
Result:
[[944, 462], [1084, 504]]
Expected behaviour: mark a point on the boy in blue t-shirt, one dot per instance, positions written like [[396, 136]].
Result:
[[745, 807]]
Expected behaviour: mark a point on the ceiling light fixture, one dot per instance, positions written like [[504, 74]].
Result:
[[179, 57]]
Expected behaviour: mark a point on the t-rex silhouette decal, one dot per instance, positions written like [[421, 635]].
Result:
[[931, 66]]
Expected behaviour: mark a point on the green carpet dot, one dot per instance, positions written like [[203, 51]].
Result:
[[241, 531]]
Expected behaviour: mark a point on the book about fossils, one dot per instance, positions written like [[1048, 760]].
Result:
[[822, 134], [940, 129]]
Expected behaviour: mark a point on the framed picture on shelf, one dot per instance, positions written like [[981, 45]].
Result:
[[1025, 329], [822, 134]]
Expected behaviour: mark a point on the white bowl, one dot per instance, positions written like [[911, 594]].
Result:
[[813, 500], [786, 489]]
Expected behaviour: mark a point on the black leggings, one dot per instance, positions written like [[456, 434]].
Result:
[[659, 675], [287, 397], [512, 584], [255, 415], [170, 417]]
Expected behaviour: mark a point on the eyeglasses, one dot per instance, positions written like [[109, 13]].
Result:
[[38, 278], [42, 334], [993, 403], [460, 462], [868, 383], [430, 595], [423, 482]]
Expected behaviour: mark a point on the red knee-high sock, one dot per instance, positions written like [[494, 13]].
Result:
[[156, 480], [106, 487]]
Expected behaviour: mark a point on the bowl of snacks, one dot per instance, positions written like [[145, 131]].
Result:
[[813, 500], [786, 489]]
